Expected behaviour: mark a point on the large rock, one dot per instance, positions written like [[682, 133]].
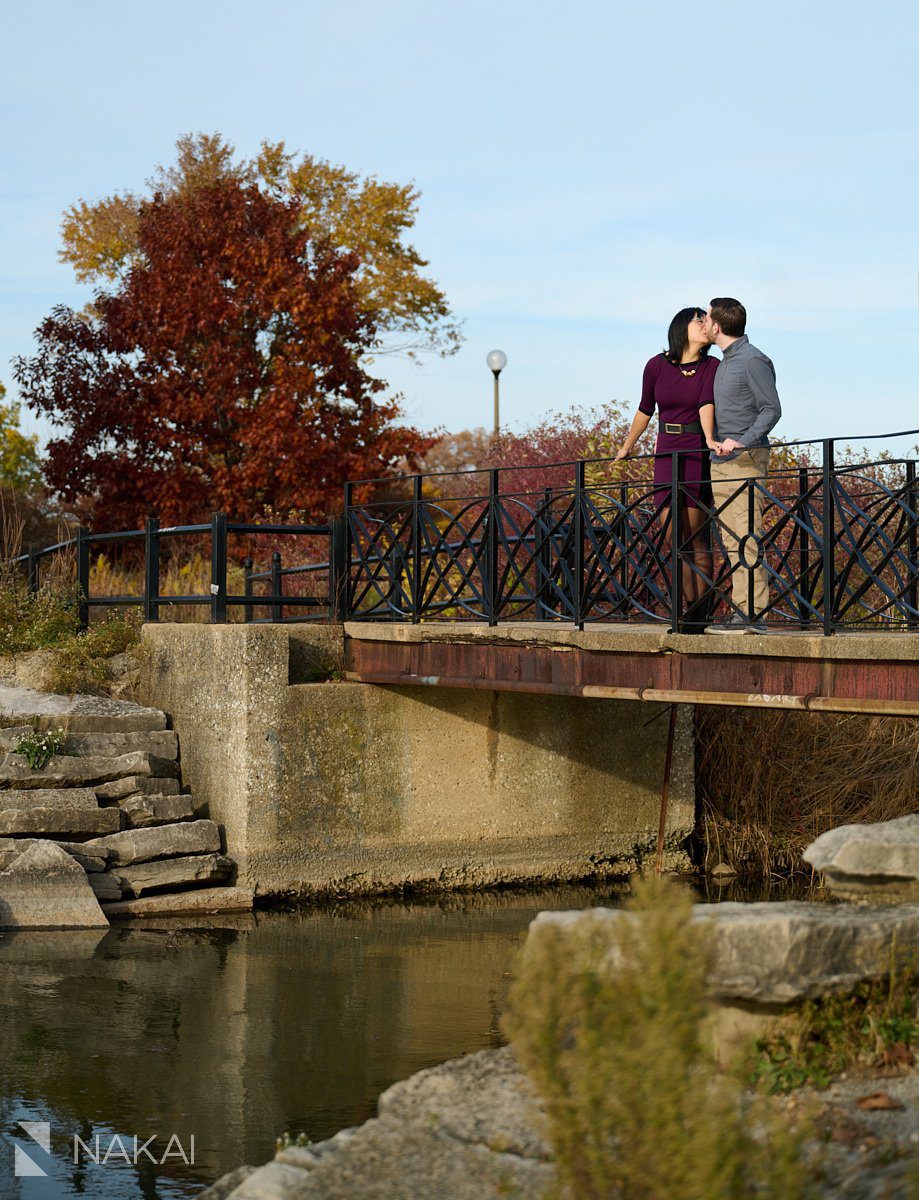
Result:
[[870, 862], [776, 954], [105, 886], [198, 900], [26, 798], [173, 873], [142, 811], [43, 888], [65, 771], [162, 841], [76, 823], [76, 714], [94, 860]]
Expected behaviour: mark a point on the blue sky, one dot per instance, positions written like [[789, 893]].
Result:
[[586, 170]]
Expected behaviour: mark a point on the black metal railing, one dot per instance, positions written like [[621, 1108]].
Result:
[[836, 542], [835, 545], [216, 535]]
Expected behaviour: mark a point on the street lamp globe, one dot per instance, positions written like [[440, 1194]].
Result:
[[497, 361]]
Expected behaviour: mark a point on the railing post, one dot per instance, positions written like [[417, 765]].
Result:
[[676, 574], [829, 538], [417, 583], [83, 576], [912, 538], [247, 590], [33, 569], [151, 569], [624, 560], [804, 572], [579, 485], [492, 543], [544, 557], [277, 582], [218, 568]]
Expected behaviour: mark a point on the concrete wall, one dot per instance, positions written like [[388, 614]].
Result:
[[336, 787]]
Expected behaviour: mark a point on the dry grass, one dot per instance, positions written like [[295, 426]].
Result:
[[770, 782]]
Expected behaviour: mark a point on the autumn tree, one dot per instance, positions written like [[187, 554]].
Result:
[[20, 463], [366, 217], [223, 372]]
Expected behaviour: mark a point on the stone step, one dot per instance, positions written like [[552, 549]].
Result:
[[73, 823], [161, 841], [136, 785], [196, 900], [142, 811], [76, 714], [105, 886], [69, 771], [172, 873], [43, 888], [163, 743], [29, 798]]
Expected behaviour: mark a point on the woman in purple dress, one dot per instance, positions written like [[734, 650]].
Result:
[[679, 383]]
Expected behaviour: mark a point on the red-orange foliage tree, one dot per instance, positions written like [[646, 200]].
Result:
[[223, 374]]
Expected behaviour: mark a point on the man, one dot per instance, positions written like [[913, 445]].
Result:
[[746, 409]]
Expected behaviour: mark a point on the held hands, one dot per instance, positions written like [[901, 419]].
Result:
[[725, 447]]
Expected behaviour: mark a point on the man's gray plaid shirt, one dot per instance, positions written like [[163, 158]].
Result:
[[746, 401]]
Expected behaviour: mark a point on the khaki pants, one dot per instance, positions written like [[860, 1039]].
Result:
[[734, 524]]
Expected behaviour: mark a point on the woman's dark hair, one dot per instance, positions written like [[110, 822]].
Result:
[[678, 335]]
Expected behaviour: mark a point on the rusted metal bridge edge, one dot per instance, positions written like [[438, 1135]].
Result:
[[859, 673]]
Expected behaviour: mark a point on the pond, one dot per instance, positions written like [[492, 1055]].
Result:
[[232, 1030]]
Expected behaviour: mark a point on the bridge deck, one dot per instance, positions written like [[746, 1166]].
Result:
[[849, 672]]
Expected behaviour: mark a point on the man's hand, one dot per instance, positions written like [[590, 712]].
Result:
[[728, 445]]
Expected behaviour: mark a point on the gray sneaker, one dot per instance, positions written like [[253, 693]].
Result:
[[737, 624]]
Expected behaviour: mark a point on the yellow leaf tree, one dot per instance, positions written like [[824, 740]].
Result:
[[361, 215]]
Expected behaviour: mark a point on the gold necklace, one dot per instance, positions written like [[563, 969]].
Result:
[[689, 374]]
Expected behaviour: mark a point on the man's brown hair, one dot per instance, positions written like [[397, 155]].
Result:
[[730, 315]]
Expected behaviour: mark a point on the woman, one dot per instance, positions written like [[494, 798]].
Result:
[[679, 383]]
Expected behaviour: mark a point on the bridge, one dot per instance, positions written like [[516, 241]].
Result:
[[566, 579]]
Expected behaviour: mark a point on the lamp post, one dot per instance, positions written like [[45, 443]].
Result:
[[497, 361]]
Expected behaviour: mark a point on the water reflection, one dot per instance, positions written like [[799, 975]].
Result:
[[235, 1033]]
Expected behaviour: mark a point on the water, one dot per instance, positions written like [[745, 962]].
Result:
[[236, 1029], [232, 1030]]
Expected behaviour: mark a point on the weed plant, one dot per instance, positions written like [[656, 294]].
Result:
[[612, 1037], [876, 1026]]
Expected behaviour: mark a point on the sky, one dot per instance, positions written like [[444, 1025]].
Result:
[[585, 171]]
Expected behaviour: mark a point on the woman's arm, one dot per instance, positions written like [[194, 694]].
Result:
[[639, 424], [707, 420]]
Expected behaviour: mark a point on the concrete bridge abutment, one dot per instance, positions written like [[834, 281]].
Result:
[[327, 787]]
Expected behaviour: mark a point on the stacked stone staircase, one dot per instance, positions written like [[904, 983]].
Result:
[[106, 819]]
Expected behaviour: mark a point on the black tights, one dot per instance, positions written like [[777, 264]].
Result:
[[695, 552]]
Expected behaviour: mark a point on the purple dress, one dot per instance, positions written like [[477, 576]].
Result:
[[678, 398]]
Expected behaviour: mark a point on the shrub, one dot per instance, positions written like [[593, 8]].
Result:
[[81, 662], [612, 1038]]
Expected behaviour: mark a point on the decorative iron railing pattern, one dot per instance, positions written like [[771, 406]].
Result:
[[838, 546], [580, 542]]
